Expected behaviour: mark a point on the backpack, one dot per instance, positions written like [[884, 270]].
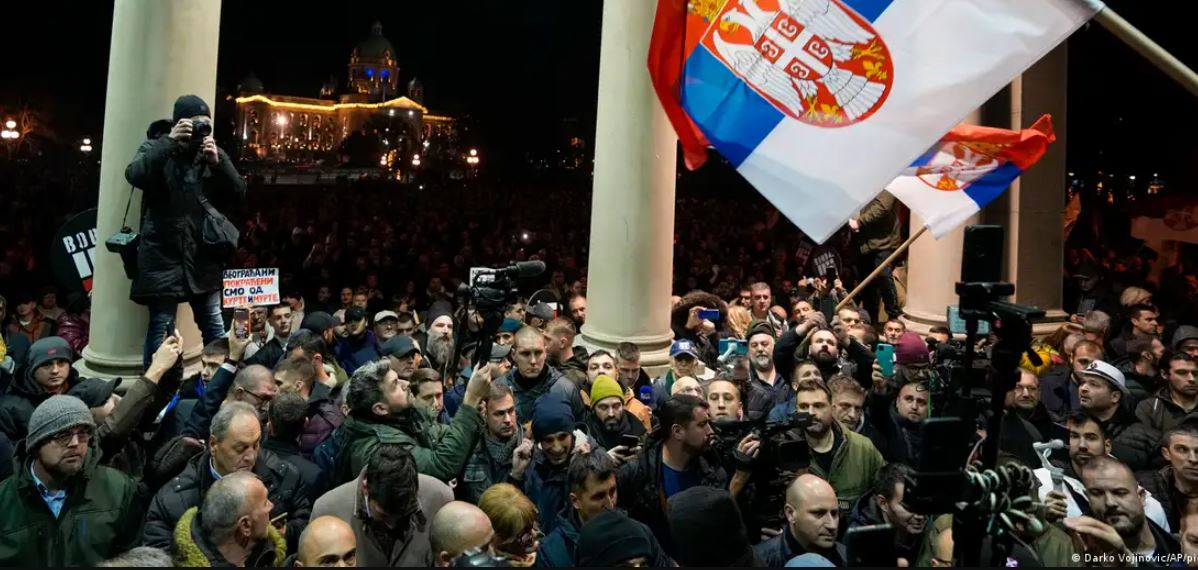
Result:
[[327, 456]]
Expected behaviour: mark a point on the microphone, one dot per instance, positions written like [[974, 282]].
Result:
[[1044, 450], [521, 269]]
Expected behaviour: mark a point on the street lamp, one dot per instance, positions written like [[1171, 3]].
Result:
[[416, 160], [10, 124], [86, 147]]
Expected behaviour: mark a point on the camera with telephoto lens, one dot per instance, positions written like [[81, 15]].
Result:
[[201, 129], [779, 449]]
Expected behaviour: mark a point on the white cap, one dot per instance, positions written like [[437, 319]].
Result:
[[1109, 373], [379, 316]]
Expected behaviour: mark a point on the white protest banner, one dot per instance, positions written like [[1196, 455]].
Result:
[[250, 287]]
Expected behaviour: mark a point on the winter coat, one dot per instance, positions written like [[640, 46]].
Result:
[[881, 228], [1132, 442], [548, 487], [283, 484], [171, 263], [490, 463], [1141, 386], [38, 328], [575, 369], [73, 329], [440, 450], [191, 548], [866, 513], [896, 437], [1058, 392], [323, 417], [269, 355], [122, 449], [99, 519], [560, 547], [346, 503], [1160, 414], [1160, 484], [777, 551], [642, 495], [762, 397], [629, 425], [550, 381], [354, 352], [25, 395], [852, 470], [314, 480]]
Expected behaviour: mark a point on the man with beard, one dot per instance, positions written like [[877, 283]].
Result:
[[805, 369], [572, 363], [1176, 484], [848, 404], [1176, 399], [893, 330], [382, 410], [59, 486], [231, 528], [1140, 367], [1102, 392], [533, 377], [896, 426], [766, 388], [491, 461], [1117, 500], [609, 421], [541, 472], [1086, 441], [846, 460], [1059, 386], [813, 521], [439, 347], [602, 363], [884, 505], [578, 310], [388, 505], [359, 346], [825, 352]]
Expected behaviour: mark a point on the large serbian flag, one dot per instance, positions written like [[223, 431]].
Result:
[[820, 103], [967, 169]]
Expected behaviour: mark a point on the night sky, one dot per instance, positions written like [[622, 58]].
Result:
[[521, 67]]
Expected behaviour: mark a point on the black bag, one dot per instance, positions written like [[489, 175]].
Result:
[[218, 236], [125, 242]]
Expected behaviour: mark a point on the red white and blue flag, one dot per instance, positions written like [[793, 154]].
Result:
[[967, 169], [820, 103]]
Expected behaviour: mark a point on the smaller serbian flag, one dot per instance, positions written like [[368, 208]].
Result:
[[967, 169]]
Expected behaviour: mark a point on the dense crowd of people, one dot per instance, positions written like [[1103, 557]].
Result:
[[361, 422]]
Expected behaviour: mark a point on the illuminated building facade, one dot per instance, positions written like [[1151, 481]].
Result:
[[288, 129]]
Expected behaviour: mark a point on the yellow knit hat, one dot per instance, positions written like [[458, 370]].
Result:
[[605, 387]]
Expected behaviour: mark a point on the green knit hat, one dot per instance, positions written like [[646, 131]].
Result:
[[605, 387]]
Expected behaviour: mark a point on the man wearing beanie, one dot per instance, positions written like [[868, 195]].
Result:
[[708, 530], [608, 420], [541, 473], [49, 372], [766, 387], [61, 507], [613, 539], [186, 179]]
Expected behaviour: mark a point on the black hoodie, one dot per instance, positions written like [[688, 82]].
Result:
[[22, 398]]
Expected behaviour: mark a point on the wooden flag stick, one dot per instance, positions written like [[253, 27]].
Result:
[[1151, 50], [878, 270]]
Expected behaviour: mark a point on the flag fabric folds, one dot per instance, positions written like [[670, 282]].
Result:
[[819, 104], [967, 169]]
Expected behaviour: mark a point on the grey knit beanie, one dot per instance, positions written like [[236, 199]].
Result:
[[56, 415]]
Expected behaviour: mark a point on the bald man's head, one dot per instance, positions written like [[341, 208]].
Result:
[[812, 513], [456, 528], [327, 541]]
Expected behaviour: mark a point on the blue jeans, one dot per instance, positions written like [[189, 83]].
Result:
[[206, 309]]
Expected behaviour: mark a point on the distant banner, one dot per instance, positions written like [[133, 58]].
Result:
[[73, 253], [1163, 219], [250, 287]]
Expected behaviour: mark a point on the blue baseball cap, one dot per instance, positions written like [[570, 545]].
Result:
[[684, 346]]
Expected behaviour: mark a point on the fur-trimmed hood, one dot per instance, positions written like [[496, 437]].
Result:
[[193, 550]]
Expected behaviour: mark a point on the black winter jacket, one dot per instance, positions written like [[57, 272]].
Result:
[[641, 493], [283, 484], [170, 261], [24, 395]]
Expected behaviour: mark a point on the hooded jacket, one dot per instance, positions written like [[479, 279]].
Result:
[[192, 549], [1132, 442], [440, 450], [548, 487], [171, 261], [73, 329], [896, 437], [22, 398], [283, 485], [551, 381], [1160, 413], [99, 519], [1141, 386], [323, 417], [560, 547]]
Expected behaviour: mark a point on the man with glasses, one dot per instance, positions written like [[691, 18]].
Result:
[[389, 507], [60, 487], [1176, 399]]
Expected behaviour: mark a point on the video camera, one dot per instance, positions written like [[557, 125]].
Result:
[[776, 451], [489, 292]]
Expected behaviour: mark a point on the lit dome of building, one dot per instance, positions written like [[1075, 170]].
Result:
[[373, 66]]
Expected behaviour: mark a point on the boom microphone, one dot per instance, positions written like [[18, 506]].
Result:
[[521, 269]]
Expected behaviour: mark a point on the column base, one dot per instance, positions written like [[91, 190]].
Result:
[[655, 349], [922, 322], [93, 365]]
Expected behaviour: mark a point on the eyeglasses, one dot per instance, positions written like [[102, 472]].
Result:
[[526, 543], [260, 400], [67, 438]]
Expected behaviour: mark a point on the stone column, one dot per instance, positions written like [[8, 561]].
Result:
[[160, 49], [632, 209], [1031, 211]]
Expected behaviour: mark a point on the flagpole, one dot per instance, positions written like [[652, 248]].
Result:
[[1151, 50], [878, 270]]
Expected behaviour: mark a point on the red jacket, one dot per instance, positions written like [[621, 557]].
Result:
[[74, 329]]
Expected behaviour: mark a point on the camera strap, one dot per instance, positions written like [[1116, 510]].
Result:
[[128, 203]]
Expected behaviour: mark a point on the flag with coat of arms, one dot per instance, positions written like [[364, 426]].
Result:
[[819, 104]]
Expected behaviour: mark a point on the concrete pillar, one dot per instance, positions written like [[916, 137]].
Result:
[[1031, 211], [161, 49], [632, 209]]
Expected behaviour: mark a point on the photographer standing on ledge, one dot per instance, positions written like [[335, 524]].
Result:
[[178, 261]]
